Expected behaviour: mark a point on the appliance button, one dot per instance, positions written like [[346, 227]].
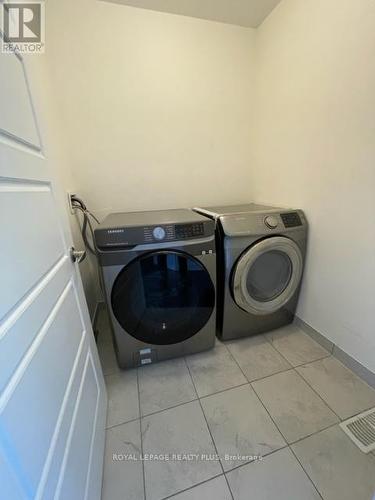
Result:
[[271, 221], [158, 233]]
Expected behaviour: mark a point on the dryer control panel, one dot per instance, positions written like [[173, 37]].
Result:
[[263, 222], [291, 219]]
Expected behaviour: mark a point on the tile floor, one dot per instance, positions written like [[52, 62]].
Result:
[[255, 419]]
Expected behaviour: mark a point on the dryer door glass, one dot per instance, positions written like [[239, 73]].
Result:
[[163, 297], [267, 275]]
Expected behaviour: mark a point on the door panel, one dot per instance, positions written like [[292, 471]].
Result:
[[10, 487], [74, 478], [53, 465], [34, 388], [24, 323], [45, 330], [16, 102], [29, 223]]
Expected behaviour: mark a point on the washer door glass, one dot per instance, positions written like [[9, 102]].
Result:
[[267, 275], [163, 297]]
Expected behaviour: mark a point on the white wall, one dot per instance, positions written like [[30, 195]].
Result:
[[157, 107], [56, 152], [314, 147], [162, 111]]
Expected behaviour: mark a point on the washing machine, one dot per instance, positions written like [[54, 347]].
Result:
[[261, 254], [159, 275]]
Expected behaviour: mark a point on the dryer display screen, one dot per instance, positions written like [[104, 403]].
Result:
[[291, 219]]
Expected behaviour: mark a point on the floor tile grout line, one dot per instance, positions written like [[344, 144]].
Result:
[[272, 374], [180, 404], [265, 336], [352, 372], [122, 423], [289, 443], [303, 378], [305, 471], [277, 427], [260, 378], [216, 392], [141, 435], [313, 434], [317, 393], [277, 352], [309, 362], [328, 355], [170, 497], [144, 415], [259, 399], [279, 431], [356, 414], [223, 390], [241, 385], [254, 461], [195, 399], [331, 347], [249, 382], [301, 364], [275, 373], [209, 430], [200, 397], [328, 349]]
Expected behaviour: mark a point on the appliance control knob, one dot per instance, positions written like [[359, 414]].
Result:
[[271, 221], [158, 233]]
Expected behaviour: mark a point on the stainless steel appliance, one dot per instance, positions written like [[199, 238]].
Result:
[[261, 253], [159, 273]]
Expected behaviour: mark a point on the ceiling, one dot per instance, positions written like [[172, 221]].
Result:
[[249, 13]]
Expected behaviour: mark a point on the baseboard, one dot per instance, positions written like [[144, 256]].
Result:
[[314, 334], [345, 358], [362, 372]]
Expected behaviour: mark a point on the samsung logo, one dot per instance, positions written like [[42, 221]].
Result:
[[115, 231]]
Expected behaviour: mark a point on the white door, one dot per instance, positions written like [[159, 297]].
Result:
[[52, 393]]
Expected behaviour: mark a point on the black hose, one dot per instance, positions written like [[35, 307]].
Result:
[[86, 222], [78, 204]]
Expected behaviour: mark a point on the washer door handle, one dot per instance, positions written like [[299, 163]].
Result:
[[77, 255]]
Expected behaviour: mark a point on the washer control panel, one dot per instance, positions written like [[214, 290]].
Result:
[[121, 230], [184, 231], [159, 233], [172, 232]]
